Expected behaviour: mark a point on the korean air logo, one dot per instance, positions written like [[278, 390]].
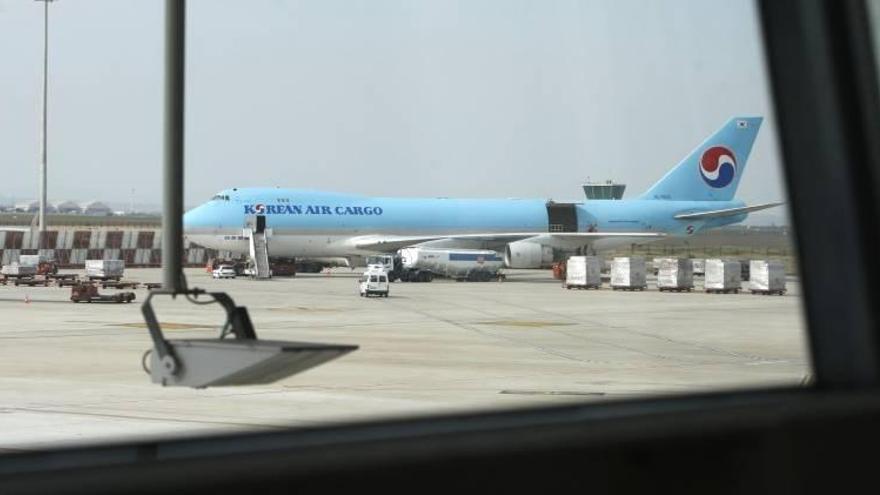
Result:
[[260, 209], [718, 166]]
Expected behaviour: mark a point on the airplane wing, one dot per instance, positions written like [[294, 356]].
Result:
[[494, 240], [728, 212]]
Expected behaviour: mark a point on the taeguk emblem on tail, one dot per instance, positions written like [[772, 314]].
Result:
[[718, 166]]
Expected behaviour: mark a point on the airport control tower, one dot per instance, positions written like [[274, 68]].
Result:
[[604, 190]]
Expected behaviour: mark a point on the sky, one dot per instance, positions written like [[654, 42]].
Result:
[[470, 98]]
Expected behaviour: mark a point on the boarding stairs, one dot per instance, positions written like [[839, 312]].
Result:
[[260, 254]]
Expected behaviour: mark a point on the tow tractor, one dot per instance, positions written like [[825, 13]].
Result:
[[87, 292]]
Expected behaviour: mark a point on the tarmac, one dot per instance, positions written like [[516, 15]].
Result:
[[71, 373]]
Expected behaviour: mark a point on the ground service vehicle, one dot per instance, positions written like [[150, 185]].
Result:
[[374, 281], [476, 265], [393, 265], [287, 267], [390, 263], [239, 266], [421, 264], [87, 292], [223, 271]]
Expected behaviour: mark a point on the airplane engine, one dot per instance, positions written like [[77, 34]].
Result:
[[525, 254]]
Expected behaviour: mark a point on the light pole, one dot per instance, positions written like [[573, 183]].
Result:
[[43, 150]]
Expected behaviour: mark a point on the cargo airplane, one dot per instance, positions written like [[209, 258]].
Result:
[[695, 195]]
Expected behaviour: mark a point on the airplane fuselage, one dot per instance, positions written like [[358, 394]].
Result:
[[316, 224]]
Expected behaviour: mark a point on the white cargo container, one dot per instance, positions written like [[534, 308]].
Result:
[[460, 264], [30, 260], [675, 274], [583, 272], [767, 277], [656, 262], [699, 265], [723, 276], [17, 270], [10, 256], [104, 269], [628, 273]]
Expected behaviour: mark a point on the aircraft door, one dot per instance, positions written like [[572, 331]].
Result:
[[561, 217], [256, 223]]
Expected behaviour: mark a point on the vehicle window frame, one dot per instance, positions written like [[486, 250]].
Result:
[[824, 85]]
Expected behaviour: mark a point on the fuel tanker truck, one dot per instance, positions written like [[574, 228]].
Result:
[[421, 264]]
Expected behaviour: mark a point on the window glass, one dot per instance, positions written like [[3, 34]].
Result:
[[570, 185], [873, 7]]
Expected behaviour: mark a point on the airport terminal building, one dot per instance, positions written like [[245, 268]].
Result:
[[70, 240]]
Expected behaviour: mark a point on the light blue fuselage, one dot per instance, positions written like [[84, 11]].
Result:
[[318, 224]]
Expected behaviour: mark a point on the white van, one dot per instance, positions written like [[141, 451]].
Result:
[[374, 282]]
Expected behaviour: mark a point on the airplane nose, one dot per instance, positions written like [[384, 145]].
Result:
[[194, 218], [187, 221]]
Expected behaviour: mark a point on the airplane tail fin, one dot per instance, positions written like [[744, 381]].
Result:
[[712, 171]]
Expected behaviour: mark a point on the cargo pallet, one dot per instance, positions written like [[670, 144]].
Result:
[[778, 292], [574, 286], [631, 289], [111, 284], [67, 282], [722, 291], [675, 289], [31, 282]]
